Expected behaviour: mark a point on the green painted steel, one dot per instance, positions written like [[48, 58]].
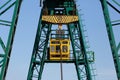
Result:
[[116, 2], [74, 51], [111, 37], [7, 47], [74, 31]]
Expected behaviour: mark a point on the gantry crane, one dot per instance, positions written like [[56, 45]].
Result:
[[110, 24], [9, 11], [60, 39]]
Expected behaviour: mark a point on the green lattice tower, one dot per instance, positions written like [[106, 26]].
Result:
[[9, 11], [110, 25], [55, 12]]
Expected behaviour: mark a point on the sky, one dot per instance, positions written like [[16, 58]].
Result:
[[93, 20]]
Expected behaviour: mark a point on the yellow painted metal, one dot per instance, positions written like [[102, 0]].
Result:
[[59, 49], [59, 19]]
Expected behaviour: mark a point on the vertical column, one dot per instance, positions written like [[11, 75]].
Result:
[[111, 36]]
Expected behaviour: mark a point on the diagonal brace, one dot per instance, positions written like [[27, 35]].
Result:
[[2, 44], [7, 8], [116, 2], [5, 4], [118, 47], [113, 7]]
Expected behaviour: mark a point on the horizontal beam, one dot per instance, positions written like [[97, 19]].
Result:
[[59, 19], [5, 21], [115, 24], [2, 55], [63, 61], [115, 21], [80, 61], [5, 24]]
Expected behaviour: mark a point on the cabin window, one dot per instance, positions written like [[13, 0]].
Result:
[[64, 49], [52, 49], [65, 42], [58, 49]]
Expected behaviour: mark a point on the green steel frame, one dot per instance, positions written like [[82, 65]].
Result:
[[80, 55], [109, 26], [11, 24]]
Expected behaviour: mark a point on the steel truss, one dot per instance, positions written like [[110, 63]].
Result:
[[9, 11], [110, 24], [81, 57]]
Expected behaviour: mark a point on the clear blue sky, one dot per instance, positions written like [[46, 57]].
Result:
[[25, 36]]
